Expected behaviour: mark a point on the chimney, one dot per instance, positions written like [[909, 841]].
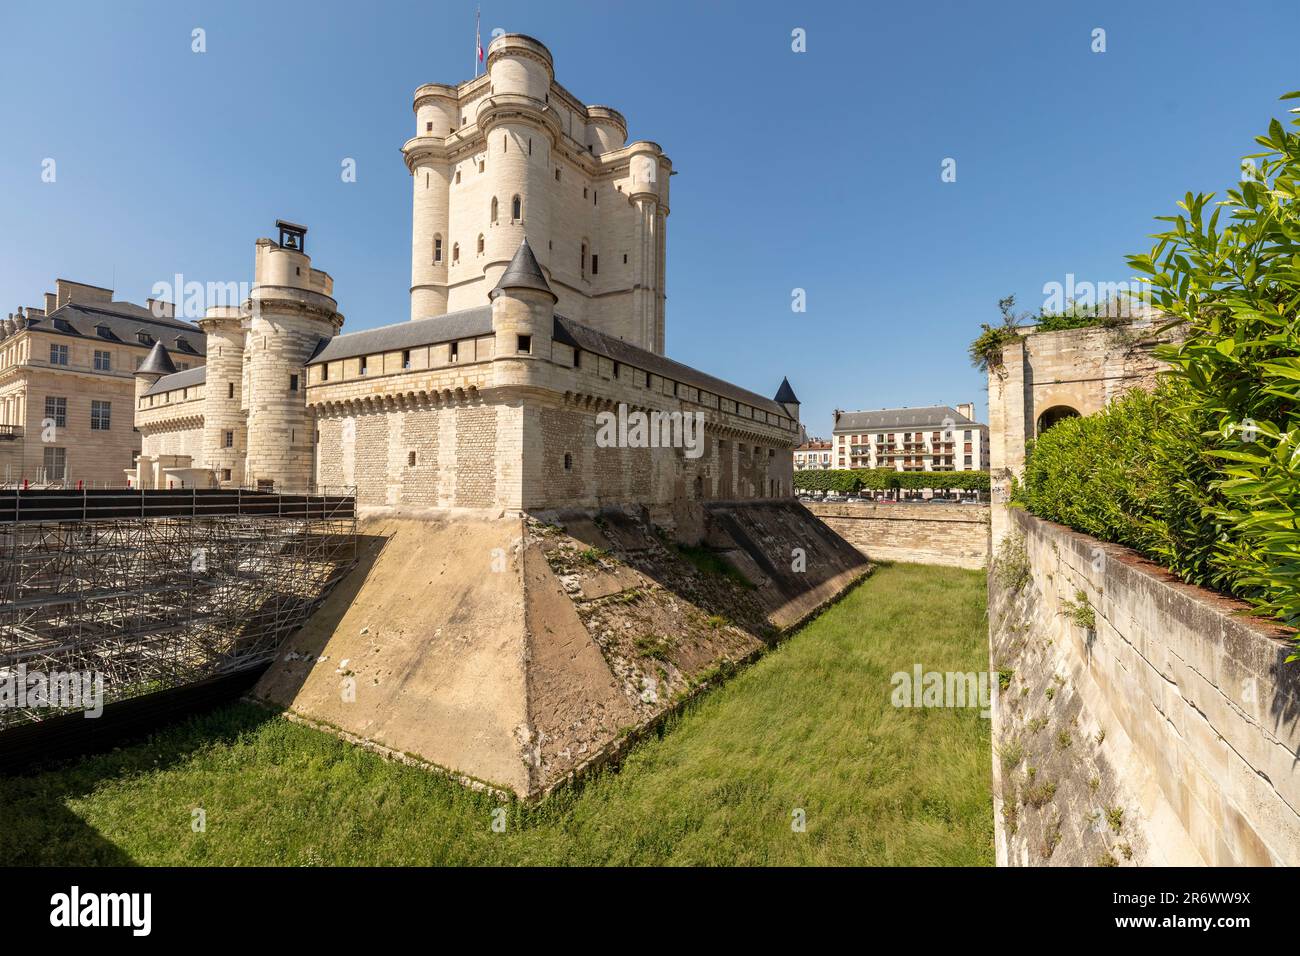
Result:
[[66, 291], [160, 309], [967, 409], [51, 302]]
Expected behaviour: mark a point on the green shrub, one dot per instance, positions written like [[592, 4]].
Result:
[[1203, 474], [853, 480]]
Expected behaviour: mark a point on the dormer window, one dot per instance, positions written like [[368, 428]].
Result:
[[143, 337], [103, 331], [63, 325]]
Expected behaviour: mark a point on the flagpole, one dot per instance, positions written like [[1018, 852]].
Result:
[[477, 41]]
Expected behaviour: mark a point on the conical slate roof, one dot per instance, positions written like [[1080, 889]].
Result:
[[523, 273], [158, 362], [785, 394]]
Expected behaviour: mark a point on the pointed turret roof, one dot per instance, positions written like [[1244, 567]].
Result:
[[158, 362], [523, 273], [785, 394]]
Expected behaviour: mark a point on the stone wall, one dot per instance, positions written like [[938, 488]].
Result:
[[1141, 720], [1076, 370], [953, 535]]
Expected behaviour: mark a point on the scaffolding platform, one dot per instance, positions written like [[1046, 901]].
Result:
[[155, 590]]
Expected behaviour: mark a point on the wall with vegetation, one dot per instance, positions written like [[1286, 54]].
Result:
[[1140, 719]]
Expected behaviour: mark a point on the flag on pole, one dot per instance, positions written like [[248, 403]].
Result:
[[478, 43]]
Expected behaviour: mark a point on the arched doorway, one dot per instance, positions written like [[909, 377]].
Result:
[[1052, 416]]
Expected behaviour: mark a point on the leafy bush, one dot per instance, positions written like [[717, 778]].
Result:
[[1134, 474], [1236, 288], [852, 480], [1203, 475]]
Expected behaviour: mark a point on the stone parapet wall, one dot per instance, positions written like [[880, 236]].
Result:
[[953, 535], [1162, 723]]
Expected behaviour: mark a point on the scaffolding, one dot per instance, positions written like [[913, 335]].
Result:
[[153, 590]]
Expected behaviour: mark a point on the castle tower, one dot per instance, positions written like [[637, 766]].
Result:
[[787, 399], [523, 311], [427, 159], [224, 429], [155, 365], [291, 311], [513, 154]]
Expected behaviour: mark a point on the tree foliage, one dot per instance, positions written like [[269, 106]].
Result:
[[1204, 475], [853, 480]]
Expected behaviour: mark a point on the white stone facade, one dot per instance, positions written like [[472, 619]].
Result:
[[499, 391], [512, 154]]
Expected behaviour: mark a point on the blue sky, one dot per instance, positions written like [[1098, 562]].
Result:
[[818, 170]]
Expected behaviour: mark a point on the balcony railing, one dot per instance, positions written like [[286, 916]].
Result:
[[11, 432]]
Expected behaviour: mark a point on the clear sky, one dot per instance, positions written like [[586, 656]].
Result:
[[818, 170]]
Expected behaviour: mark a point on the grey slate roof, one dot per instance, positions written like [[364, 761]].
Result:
[[523, 273], [785, 394], [469, 323], [186, 379], [930, 416], [465, 324], [157, 362], [590, 340], [122, 322]]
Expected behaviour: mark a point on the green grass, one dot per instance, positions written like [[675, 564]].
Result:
[[810, 726]]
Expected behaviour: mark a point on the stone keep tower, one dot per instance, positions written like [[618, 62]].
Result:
[[291, 310], [223, 409], [513, 154]]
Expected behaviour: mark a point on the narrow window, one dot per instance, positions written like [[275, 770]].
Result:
[[595, 264], [324, 373], [410, 459], [516, 209], [625, 258], [230, 390], [230, 439], [293, 383], [481, 165], [458, 177], [428, 127], [225, 474], [582, 262], [530, 146], [437, 249], [505, 142], [363, 365], [616, 367], [525, 345], [557, 174], [455, 253], [492, 217], [406, 358], [480, 243], [568, 461], [577, 358], [584, 192]]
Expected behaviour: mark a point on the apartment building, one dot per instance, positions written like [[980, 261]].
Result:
[[67, 388], [815, 454], [933, 438]]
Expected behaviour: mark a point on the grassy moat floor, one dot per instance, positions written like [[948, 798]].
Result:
[[810, 727]]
